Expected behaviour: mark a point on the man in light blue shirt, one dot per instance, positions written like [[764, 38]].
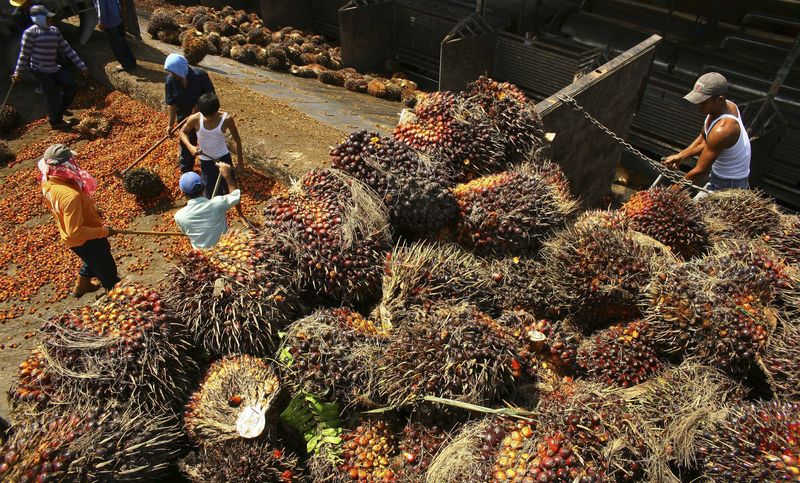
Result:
[[204, 220]]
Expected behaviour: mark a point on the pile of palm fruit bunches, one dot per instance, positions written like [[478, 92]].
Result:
[[242, 36], [436, 306]]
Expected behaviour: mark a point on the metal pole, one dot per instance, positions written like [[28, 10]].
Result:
[[780, 77]]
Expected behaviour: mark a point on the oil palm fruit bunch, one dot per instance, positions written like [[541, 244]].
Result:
[[130, 348], [594, 420], [756, 442], [408, 185], [195, 47], [94, 124], [781, 361], [244, 461], [338, 233], [233, 401], [784, 238], [143, 183], [520, 284], [451, 352], [423, 274], [419, 441], [738, 214], [163, 20], [93, 444], [35, 385], [622, 355], [512, 112], [671, 217], [254, 290], [9, 118], [445, 126], [551, 340], [331, 354], [598, 273], [510, 212], [369, 451], [6, 154]]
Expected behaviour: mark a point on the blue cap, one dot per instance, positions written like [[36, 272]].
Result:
[[177, 64], [191, 183]]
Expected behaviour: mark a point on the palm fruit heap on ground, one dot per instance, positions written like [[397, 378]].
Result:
[[235, 296], [129, 348], [784, 238], [143, 183], [331, 354], [452, 352], [422, 274], [234, 389], [455, 131], [669, 216], [337, 232], [243, 37], [229, 419], [406, 182], [722, 308], [738, 215], [598, 273], [93, 444], [510, 109], [757, 442], [622, 355], [510, 212]]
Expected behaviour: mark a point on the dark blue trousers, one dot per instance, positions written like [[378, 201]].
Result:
[[211, 173], [59, 88], [98, 261], [120, 48], [185, 158]]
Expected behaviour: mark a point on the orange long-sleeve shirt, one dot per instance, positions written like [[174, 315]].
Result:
[[77, 219]]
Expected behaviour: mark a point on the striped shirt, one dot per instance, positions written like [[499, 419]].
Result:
[[39, 50]]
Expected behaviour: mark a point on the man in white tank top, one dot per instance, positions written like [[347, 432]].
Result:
[[211, 124], [723, 145]]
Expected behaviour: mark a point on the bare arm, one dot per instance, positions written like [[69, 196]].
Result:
[[693, 149], [227, 174], [237, 141], [188, 128], [724, 135]]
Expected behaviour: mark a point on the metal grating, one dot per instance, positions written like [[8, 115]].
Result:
[[418, 36], [326, 17]]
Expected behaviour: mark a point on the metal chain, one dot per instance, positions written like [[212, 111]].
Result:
[[663, 171]]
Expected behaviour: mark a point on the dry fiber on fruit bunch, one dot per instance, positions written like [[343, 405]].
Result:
[[520, 284], [513, 113], [333, 354], [235, 401], [130, 348], [94, 124], [337, 232], [672, 407], [512, 212], [455, 130], [26, 223], [721, 309], [421, 274], [452, 352], [598, 272], [622, 355], [671, 217], [581, 432], [382, 448], [242, 461], [755, 442], [237, 295], [738, 215], [781, 362], [9, 118], [85, 444], [784, 238], [407, 182]]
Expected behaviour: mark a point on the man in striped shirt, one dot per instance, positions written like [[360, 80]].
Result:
[[38, 52]]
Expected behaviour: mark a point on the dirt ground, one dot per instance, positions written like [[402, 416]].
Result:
[[36, 270]]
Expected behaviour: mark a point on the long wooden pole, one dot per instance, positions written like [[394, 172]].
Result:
[[8, 94], [153, 147], [150, 233]]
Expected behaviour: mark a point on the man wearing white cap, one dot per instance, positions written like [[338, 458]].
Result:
[[723, 145]]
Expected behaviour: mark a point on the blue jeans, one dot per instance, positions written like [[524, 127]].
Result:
[[211, 173], [59, 88], [120, 48], [98, 261], [715, 183]]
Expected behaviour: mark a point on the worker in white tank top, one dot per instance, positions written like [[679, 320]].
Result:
[[211, 124], [723, 145]]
